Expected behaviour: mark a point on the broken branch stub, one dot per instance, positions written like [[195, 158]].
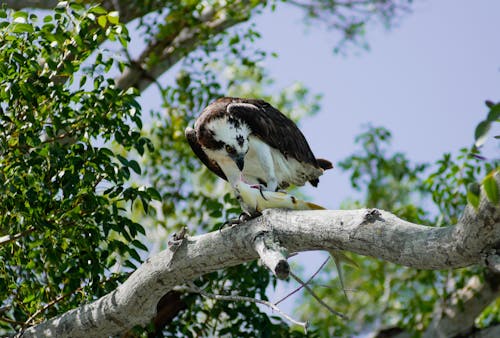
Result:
[[272, 254]]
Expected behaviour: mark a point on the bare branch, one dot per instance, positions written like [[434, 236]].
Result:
[[129, 10], [40, 4], [168, 51], [194, 289], [455, 318], [315, 296], [306, 283], [493, 262], [489, 332], [10, 238], [373, 233]]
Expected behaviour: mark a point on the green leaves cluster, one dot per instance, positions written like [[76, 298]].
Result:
[[482, 129], [64, 194]]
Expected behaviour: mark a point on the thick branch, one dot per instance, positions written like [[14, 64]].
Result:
[[129, 10], [168, 51], [194, 289], [40, 4], [368, 232]]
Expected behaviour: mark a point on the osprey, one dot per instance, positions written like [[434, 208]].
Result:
[[249, 140]]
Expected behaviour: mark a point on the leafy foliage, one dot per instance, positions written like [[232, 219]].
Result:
[[64, 194]]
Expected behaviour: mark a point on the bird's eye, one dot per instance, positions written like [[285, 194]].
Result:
[[230, 150]]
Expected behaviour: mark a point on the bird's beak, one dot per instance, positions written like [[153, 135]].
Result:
[[240, 161]]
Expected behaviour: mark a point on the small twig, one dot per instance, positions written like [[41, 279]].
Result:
[[50, 304], [10, 321], [302, 286], [341, 315], [194, 289], [4, 309], [58, 299], [8, 238]]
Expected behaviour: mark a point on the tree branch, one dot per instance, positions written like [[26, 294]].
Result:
[[10, 238], [306, 283], [40, 4], [168, 51], [318, 299], [192, 288], [128, 10], [373, 233]]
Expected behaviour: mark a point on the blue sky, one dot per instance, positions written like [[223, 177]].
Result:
[[425, 80]]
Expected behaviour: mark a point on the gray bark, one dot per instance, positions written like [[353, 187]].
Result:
[[373, 233]]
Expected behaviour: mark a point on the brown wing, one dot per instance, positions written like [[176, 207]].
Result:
[[193, 142], [274, 128]]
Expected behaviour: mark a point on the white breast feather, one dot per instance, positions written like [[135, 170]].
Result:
[[283, 169]]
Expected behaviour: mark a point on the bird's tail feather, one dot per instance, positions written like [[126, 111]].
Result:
[[324, 164], [312, 206]]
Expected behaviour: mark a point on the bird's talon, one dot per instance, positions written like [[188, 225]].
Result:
[[242, 218]]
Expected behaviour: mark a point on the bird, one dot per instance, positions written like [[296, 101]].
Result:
[[249, 140]]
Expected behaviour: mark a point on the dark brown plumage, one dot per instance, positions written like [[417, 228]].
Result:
[[266, 122]]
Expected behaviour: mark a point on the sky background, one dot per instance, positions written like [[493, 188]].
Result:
[[425, 80]]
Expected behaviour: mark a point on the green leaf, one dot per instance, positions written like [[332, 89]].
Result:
[[489, 103], [113, 17], [491, 189], [135, 166], [481, 132], [29, 298], [101, 20], [139, 245], [21, 28], [494, 114], [20, 14], [154, 194], [473, 199], [97, 10], [122, 160], [77, 6]]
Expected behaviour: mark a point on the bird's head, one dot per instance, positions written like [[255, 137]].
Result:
[[226, 137]]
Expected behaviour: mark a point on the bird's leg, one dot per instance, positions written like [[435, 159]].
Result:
[[242, 218]]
